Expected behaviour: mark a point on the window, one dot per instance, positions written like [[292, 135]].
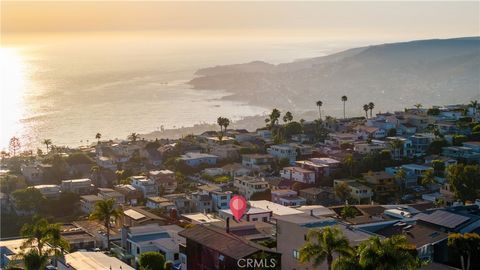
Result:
[[175, 256], [254, 219], [296, 254]]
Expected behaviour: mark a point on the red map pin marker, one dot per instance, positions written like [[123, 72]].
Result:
[[238, 205]]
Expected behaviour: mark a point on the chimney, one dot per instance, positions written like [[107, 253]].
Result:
[[228, 225], [311, 212]]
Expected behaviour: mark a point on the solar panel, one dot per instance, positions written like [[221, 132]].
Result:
[[443, 218]]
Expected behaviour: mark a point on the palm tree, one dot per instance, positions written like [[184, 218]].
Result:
[[104, 212], [418, 106], [371, 105], [133, 137], [401, 175], [226, 123], [98, 136], [348, 212], [220, 123], [39, 233], [344, 99], [272, 119], [365, 108], [474, 105], [322, 244], [32, 260], [288, 117], [319, 105], [349, 161], [47, 143], [428, 178], [389, 253], [466, 244], [397, 146]]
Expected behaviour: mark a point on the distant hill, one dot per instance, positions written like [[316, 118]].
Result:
[[393, 76]]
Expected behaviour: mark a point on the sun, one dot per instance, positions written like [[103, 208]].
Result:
[[12, 86]]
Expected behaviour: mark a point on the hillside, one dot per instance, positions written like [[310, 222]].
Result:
[[393, 76]]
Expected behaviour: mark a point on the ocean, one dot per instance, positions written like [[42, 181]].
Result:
[[68, 87]]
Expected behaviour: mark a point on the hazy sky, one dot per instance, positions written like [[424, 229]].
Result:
[[332, 19]]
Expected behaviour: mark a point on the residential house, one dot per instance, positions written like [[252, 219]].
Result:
[[147, 186], [183, 203], [462, 153], [265, 134], [248, 185], [34, 173], [421, 142], [337, 139], [153, 237], [108, 193], [209, 247], [194, 159], [136, 216], [78, 186], [164, 179], [49, 191], [235, 169], [322, 195], [77, 237], [283, 151], [368, 148], [383, 185], [131, 194], [226, 151], [252, 214], [358, 191], [201, 218], [202, 202], [366, 132], [298, 174], [160, 203], [287, 197], [257, 162], [88, 202], [89, 260], [291, 236], [414, 172]]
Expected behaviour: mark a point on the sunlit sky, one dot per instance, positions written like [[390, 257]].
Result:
[[358, 19]]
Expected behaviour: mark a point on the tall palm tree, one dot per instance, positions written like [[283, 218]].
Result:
[[418, 106], [466, 245], [371, 105], [105, 211], [365, 108], [319, 105], [226, 123], [133, 137], [39, 233], [349, 161], [220, 123], [474, 105], [273, 117], [401, 175], [288, 117], [397, 146], [32, 260], [322, 244], [344, 99], [47, 143], [389, 253], [98, 136]]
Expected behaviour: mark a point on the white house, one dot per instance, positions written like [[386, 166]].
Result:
[[298, 174], [283, 151], [146, 185]]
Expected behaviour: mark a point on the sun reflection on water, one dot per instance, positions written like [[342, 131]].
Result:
[[12, 82]]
